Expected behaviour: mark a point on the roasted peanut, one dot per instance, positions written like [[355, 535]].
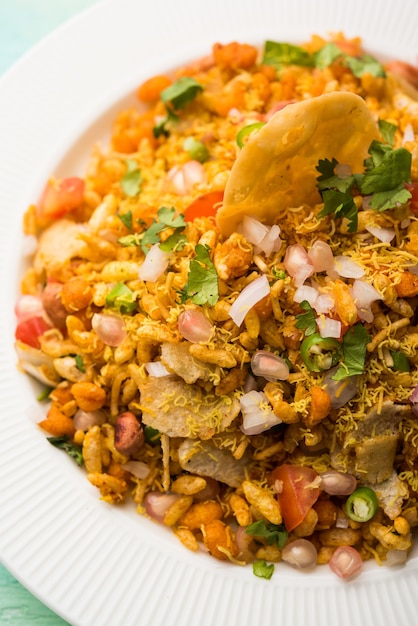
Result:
[[129, 434], [52, 303]]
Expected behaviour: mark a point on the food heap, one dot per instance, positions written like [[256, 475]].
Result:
[[222, 310]]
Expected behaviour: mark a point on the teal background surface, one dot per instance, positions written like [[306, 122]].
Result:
[[22, 24]]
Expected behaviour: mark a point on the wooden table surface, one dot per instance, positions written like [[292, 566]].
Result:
[[22, 24]]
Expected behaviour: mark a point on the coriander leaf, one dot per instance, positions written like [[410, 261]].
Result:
[[383, 200], [391, 169], [73, 450], [272, 533], [400, 361], [79, 363], [181, 92], [162, 127], [365, 64], [126, 219], [387, 130], [151, 236], [342, 205], [330, 180], [279, 54], [169, 217], [202, 280], [130, 240], [306, 321], [263, 570], [132, 180], [327, 55], [122, 298], [176, 241], [354, 352]]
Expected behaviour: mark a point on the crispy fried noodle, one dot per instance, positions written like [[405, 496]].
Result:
[[223, 310]]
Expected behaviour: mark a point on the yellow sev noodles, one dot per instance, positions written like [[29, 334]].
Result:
[[107, 381]]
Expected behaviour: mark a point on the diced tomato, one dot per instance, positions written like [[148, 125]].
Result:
[[413, 203], [204, 206], [60, 197], [299, 492], [30, 330]]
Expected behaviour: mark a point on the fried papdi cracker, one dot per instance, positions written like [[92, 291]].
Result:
[[181, 410], [275, 169]]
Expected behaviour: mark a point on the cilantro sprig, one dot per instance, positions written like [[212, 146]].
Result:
[[354, 352], [167, 219], [131, 182], [386, 172], [306, 321], [122, 298], [176, 97], [271, 533], [202, 280], [72, 449], [282, 54]]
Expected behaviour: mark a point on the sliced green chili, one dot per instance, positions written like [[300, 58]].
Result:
[[362, 504], [247, 130], [320, 353]]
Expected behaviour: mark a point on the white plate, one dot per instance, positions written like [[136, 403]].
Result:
[[94, 564]]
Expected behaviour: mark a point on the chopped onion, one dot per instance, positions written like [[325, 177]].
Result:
[[408, 134], [304, 292], [194, 326], [340, 391], [382, 234], [83, 420], [321, 256], [30, 245], [414, 395], [265, 238], [364, 294], [109, 328], [337, 484], [155, 264], [328, 327], [300, 553], [253, 230], [137, 468], [28, 306], [249, 296], [182, 178], [257, 414], [157, 504], [297, 264], [342, 521], [347, 268], [157, 369], [346, 562], [324, 303], [271, 242], [396, 557], [269, 366]]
